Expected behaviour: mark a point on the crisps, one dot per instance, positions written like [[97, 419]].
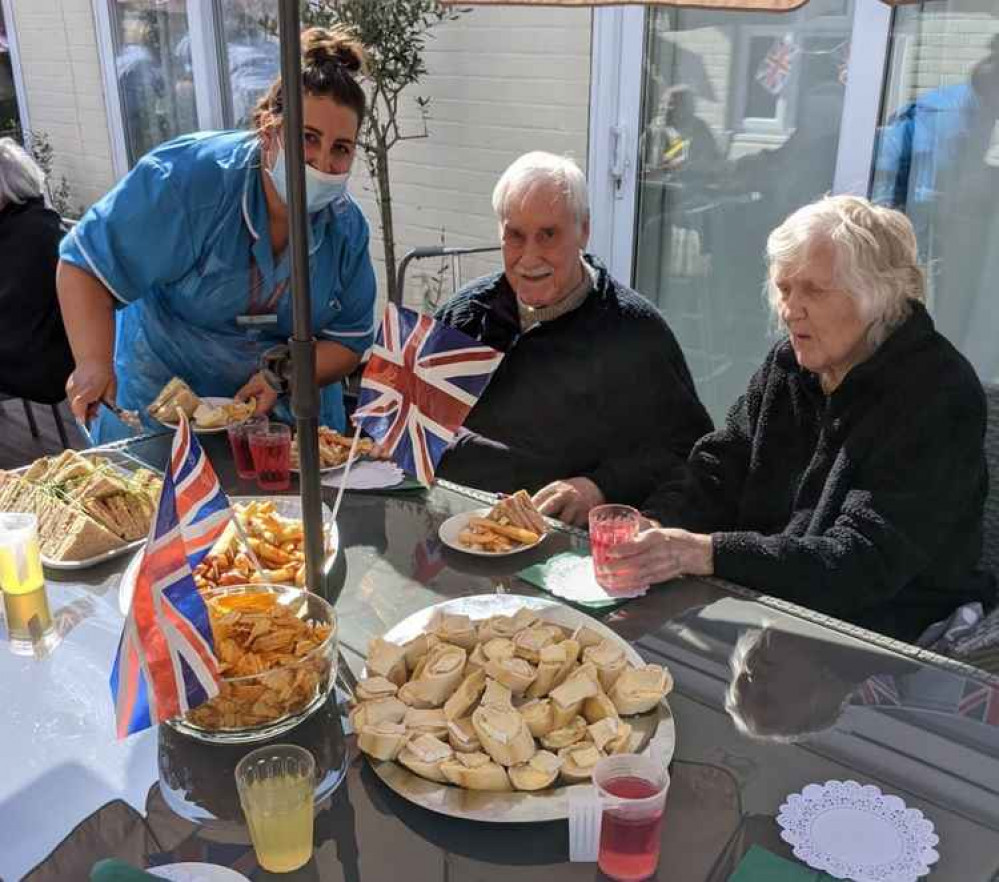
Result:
[[268, 661]]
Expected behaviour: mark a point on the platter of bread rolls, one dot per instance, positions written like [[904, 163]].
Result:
[[490, 707]]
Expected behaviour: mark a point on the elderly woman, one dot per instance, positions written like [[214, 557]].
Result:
[[34, 354], [850, 478]]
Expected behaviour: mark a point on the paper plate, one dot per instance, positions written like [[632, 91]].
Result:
[[192, 871], [854, 831], [452, 527]]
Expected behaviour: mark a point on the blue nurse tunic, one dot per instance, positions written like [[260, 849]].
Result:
[[182, 243]]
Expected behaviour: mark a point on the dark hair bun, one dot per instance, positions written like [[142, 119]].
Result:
[[337, 45]]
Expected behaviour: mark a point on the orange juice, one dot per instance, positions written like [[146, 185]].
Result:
[[25, 604], [279, 814]]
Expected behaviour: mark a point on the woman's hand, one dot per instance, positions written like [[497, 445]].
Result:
[[257, 387], [658, 555], [570, 501], [87, 385]]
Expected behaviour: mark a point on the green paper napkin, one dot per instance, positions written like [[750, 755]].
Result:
[[538, 575], [760, 865]]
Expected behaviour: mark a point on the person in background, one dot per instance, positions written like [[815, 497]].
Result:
[[182, 269], [593, 402], [35, 359], [851, 476]]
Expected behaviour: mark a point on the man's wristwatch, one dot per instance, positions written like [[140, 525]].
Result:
[[275, 366]]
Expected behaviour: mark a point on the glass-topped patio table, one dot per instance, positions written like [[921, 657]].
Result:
[[822, 699]]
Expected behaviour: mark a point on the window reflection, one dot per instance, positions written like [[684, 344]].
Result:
[[937, 159], [152, 63], [741, 118], [252, 54]]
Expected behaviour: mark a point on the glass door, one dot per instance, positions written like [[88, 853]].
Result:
[[740, 123]]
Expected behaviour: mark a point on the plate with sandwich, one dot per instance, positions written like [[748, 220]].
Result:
[[90, 508], [512, 525], [208, 414]]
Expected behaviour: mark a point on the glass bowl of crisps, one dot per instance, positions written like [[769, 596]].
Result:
[[277, 650]]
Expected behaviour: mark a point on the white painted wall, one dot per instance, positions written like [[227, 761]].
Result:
[[502, 82], [62, 78]]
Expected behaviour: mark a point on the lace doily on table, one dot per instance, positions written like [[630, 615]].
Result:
[[571, 576], [857, 832]]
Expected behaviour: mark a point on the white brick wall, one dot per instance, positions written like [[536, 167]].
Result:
[[62, 78], [501, 82]]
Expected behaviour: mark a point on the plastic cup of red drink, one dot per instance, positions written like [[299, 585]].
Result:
[[271, 449], [632, 790], [611, 525], [239, 443]]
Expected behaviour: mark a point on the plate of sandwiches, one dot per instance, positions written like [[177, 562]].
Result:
[[90, 508], [207, 414], [512, 525], [334, 449]]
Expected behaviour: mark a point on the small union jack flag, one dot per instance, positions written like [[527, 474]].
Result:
[[422, 380], [775, 69], [166, 662], [879, 690], [980, 702]]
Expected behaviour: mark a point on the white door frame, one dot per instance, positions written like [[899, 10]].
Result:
[[615, 111], [20, 93], [206, 58], [862, 100]]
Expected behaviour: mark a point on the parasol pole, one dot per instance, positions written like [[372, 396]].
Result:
[[304, 391]]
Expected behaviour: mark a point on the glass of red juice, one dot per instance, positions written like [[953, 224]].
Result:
[[271, 449], [610, 525], [632, 789], [239, 443]]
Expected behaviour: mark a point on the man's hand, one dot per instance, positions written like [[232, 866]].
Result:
[[87, 385], [257, 387], [570, 501]]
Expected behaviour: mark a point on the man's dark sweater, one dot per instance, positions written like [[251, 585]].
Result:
[[866, 504], [601, 392]]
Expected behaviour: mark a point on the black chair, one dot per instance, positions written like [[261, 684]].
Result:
[[33, 425], [990, 544]]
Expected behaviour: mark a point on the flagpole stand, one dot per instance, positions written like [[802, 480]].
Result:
[[304, 389]]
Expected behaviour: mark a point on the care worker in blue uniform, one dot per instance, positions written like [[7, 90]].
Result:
[[182, 269]]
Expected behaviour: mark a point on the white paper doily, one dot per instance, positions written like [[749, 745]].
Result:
[[857, 832], [571, 576], [366, 475]]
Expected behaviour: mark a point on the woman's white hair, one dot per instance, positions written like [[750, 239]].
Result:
[[875, 253], [20, 176], [539, 167]]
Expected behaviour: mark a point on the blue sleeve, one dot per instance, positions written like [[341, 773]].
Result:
[[137, 237], [354, 325]]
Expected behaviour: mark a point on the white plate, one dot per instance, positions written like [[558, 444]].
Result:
[[288, 506], [452, 527], [192, 871], [857, 832], [211, 401], [551, 804], [128, 465]]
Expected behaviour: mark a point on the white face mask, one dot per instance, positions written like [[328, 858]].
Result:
[[321, 189]]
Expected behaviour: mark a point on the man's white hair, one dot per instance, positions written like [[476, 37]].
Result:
[[875, 253], [20, 176], [539, 167]]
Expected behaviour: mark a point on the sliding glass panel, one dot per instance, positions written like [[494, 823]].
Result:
[[253, 59], [10, 121], [153, 66], [740, 126], [937, 159]]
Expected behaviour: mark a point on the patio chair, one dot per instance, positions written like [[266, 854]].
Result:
[[439, 251], [32, 423], [990, 531]]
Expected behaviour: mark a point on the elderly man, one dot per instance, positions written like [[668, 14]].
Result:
[[593, 402]]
